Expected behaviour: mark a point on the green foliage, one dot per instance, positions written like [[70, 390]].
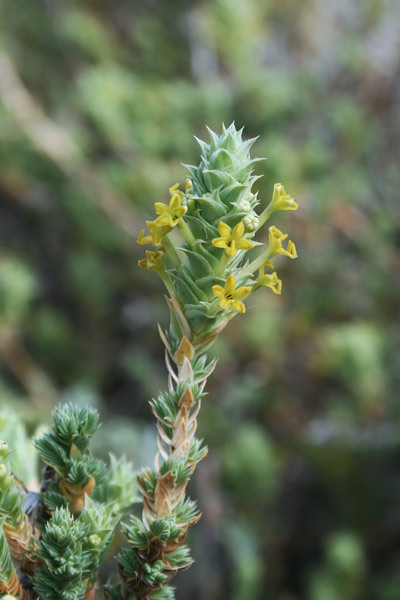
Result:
[[66, 561], [139, 536], [72, 550], [74, 538], [148, 480], [180, 557], [151, 574], [74, 427], [118, 488], [180, 468], [65, 448], [100, 521]]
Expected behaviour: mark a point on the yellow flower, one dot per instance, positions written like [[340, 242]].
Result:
[[188, 185], [276, 238], [281, 200], [232, 241], [156, 234], [231, 297], [171, 214], [270, 280], [154, 260]]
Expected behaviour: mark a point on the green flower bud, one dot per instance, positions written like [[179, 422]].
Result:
[[244, 206], [250, 222], [95, 539]]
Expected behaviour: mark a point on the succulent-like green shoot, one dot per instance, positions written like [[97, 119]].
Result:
[[65, 449], [216, 216]]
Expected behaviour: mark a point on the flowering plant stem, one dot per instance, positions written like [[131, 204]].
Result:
[[208, 278], [217, 200]]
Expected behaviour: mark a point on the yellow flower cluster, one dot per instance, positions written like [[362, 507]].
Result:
[[169, 216], [231, 240]]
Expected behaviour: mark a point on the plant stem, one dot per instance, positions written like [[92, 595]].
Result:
[[187, 234], [258, 262], [265, 215], [222, 265], [167, 281]]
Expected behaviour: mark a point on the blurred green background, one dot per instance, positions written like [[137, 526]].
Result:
[[99, 102]]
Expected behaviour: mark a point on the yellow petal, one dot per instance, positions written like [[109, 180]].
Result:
[[238, 231], [238, 306], [218, 291], [175, 202], [230, 285], [173, 188], [161, 208], [164, 220], [281, 200], [278, 288], [142, 239], [143, 264], [242, 292], [276, 234], [225, 303], [155, 232], [180, 211], [291, 248], [245, 244], [224, 229], [219, 242]]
